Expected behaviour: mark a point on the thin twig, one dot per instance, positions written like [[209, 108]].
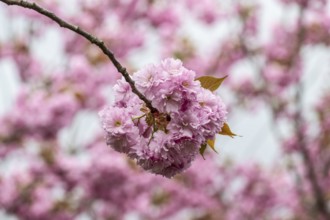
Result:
[[94, 40]]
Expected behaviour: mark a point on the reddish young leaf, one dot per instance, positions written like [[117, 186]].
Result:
[[202, 150], [225, 130], [211, 83], [211, 143]]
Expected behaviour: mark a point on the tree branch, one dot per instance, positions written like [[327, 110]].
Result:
[[311, 175], [320, 201], [94, 40]]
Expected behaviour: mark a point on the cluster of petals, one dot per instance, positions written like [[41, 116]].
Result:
[[167, 141]]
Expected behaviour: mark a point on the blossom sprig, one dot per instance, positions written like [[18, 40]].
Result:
[[180, 115], [188, 116]]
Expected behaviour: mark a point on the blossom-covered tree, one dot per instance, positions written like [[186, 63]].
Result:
[[161, 116]]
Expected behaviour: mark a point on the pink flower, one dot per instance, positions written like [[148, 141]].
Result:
[[168, 141], [120, 129]]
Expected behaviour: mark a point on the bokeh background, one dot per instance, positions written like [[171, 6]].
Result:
[[54, 161]]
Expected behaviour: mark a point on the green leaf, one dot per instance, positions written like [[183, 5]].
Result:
[[202, 150], [211, 83], [225, 130], [211, 143]]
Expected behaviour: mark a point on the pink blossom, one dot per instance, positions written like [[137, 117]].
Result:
[[166, 142]]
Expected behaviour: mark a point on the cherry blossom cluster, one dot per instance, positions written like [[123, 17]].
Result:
[[164, 142]]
